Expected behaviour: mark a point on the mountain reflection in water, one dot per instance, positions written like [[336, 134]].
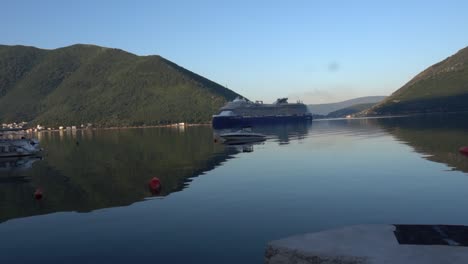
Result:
[[438, 137], [301, 179], [91, 169], [86, 170]]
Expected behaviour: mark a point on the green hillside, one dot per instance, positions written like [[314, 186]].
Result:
[[443, 87], [83, 84]]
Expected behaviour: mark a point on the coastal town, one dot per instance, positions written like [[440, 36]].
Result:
[[38, 128], [24, 126]]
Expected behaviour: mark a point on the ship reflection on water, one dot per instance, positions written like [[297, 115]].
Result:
[[244, 147], [112, 168]]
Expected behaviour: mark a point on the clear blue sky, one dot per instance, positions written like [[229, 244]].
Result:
[[319, 51]]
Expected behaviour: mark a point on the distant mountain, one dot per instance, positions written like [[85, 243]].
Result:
[[351, 110], [443, 87], [325, 109], [83, 84]]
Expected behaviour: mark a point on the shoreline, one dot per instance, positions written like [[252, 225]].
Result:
[[34, 130], [392, 116], [176, 125]]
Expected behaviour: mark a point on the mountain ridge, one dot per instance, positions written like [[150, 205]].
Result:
[[442, 87], [85, 83]]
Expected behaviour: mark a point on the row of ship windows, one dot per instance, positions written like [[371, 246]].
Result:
[[269, 113], [272, 115]]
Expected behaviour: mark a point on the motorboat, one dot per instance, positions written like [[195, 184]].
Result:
[[19, 147], [241, 136], [14, 144]]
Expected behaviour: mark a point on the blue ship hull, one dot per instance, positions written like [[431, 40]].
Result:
[[221, 122]]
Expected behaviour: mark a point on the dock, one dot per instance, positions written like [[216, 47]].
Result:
[[374, 244]]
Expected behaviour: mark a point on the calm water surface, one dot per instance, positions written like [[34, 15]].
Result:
[[222, 204]]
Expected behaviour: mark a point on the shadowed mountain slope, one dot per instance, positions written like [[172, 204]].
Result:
[[443, 87]]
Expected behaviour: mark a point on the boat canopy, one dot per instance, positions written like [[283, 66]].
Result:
[[239, 99], [226, 113]]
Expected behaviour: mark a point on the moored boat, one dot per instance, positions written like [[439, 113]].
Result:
[[244, 135], [18, 147], [13, 143]]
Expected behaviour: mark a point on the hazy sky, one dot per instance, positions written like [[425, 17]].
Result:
[[318, 51]]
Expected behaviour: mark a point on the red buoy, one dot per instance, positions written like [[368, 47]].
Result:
[[38, 194], [464, 150], [154, 185]]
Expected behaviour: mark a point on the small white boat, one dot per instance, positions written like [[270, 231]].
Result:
[[242, 136], [19, 147], [14, 142]]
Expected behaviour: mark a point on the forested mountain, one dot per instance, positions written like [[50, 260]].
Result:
[[443, 87], [83, 84]]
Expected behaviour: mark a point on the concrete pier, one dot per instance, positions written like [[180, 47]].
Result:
[[374, 244]]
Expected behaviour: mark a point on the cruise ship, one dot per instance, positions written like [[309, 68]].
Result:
[[242, 112]]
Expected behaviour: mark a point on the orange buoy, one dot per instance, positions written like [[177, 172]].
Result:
[[38, 194], [154, 185], [464, 150]]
